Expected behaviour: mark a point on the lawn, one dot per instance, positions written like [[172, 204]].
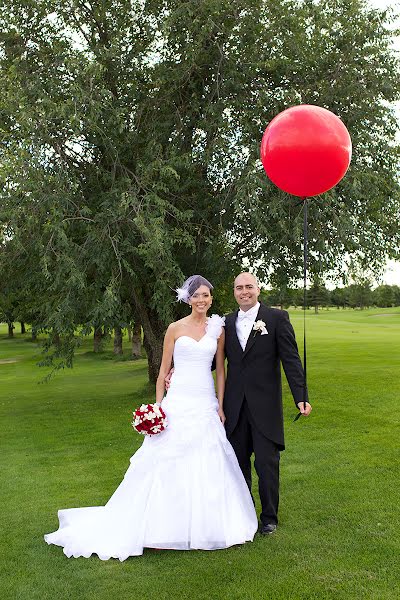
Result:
[[67, 443]]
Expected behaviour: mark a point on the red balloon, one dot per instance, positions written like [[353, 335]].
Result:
[[306, 150]]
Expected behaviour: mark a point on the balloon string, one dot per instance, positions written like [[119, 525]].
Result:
[[305, 261]]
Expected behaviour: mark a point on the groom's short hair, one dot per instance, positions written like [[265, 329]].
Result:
[[247, 273]]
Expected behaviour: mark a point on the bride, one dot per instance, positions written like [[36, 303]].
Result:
[[184, 489]]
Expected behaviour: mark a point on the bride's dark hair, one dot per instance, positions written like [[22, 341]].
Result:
[[189, 287]]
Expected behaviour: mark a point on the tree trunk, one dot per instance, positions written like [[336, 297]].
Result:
[[154, 354], [34, 334], [153, 333], [136, 338], [10, 329], [129, 328], [316, 309], [56, 340], [23, 330], [118, 340], [97, 339]]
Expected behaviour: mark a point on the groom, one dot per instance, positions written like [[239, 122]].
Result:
[[257, 340]]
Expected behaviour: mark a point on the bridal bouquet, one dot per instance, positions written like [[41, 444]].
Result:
[[149, 419]]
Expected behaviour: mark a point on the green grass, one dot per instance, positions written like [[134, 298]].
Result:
[[68, 442]]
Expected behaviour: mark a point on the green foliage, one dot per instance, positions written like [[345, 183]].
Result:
[[356, 295], [130, 140], [282, 296], [340, 297], [386, 295], [360, 294], [318, 295]]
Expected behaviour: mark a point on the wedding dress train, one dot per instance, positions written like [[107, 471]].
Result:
[[184, 488]]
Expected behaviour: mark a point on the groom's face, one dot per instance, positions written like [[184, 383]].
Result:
[[246, 291]]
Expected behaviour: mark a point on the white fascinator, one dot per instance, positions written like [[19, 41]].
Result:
[[189, 287]]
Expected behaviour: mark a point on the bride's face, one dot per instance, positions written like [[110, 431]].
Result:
[[201, 300]]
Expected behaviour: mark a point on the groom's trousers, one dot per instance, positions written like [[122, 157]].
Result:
[[246, 439]]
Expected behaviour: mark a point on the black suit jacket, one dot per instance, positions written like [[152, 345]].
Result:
[[255, 374]]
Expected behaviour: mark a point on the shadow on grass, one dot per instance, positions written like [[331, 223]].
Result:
[[145, 393], [109, 355]]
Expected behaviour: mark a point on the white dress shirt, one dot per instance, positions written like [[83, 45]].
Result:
[[244, 324]]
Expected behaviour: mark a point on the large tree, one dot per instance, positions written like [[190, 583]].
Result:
[[131, 131]]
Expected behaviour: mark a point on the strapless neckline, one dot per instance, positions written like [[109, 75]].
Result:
[[191, 338]]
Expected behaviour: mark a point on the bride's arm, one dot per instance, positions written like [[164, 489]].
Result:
[[220, 374], [166, 361]]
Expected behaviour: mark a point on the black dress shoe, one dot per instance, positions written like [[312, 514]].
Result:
[[267, 529]]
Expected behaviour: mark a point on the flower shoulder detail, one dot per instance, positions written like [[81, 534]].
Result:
[[215, 323]]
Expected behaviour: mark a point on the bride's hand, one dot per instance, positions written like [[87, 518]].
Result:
[[221, 415]]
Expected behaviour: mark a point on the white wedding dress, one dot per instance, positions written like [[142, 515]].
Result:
[[184, 488]]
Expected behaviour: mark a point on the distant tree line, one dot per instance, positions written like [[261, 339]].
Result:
[[16, 308], [357, 295]]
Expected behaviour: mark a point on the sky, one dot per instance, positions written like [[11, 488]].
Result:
[[391, 275]]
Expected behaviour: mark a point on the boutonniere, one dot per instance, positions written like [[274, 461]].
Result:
[[259, 326]]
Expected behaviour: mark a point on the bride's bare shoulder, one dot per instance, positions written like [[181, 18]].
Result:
[[177, 325]]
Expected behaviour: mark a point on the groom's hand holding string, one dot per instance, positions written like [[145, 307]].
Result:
[[304, 411]]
